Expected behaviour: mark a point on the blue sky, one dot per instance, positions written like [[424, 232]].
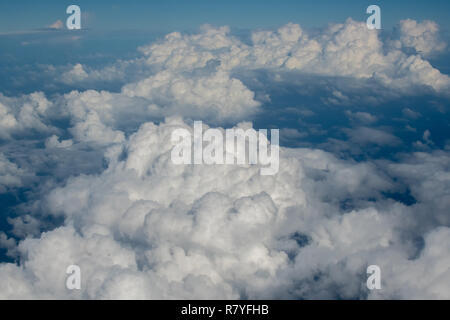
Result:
[[161, 16]]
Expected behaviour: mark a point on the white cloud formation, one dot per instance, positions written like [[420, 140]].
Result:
[[146, 228], [24, 115], [422, 37], [143, 227], [342, 51], [77, 73], [218, 95], [53, 142], [11, 176], [429, 271]]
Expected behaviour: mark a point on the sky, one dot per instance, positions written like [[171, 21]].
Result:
[[87, 176], [157, 16]]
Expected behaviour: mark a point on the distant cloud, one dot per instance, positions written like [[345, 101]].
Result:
[[347, 51], [77, 73], [56, 25], [365, 135], [407, 112], [364, 117]]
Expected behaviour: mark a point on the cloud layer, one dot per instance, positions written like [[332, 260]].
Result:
[[146, 228], [142, 227]]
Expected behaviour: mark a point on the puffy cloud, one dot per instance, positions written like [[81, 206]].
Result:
[[197, 76], [94, 116], [187, 52], [147, 228], [422, 37], [427, 177], [87, 77], [348, 49], [425, 277], [53, 142], [217, 96], [25, 115], [10, 174], [93, 130], [341, 50], [77, 73]]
